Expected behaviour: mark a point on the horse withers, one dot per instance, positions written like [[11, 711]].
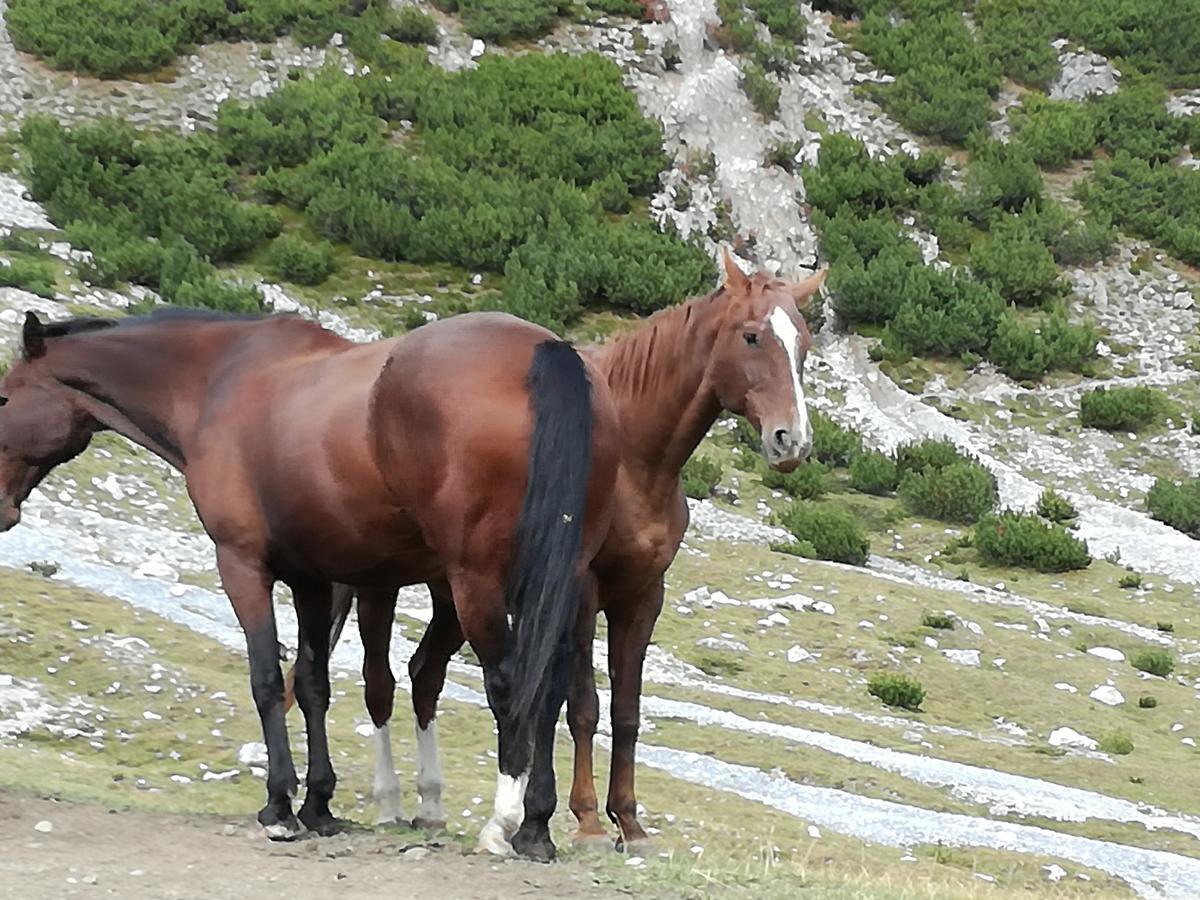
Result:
[[479, 453], [740, 349]]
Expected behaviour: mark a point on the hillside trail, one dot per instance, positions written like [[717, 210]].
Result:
[[92, 851]]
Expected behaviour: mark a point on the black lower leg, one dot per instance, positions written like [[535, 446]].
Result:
[[532, 840], [266, 685], [312, 694]]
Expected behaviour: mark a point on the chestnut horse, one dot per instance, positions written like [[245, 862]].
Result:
[[740, 349], [473, 453]]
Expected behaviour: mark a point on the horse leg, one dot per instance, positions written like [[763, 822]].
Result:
[[482, 614], [376, 615], [583, 715], [248, 585], [312, 693], [532, 840], [427, 670], [629, 630]]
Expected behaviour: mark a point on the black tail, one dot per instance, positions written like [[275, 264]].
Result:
[[543, 584]]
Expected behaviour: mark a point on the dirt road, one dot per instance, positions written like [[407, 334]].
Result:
[[90, 851]]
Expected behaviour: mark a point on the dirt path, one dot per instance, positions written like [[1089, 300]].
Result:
[[92, 852]]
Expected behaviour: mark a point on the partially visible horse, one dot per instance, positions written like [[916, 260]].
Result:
[[474, 453], [741, 349]]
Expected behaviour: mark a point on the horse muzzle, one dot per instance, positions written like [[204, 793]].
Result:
[[786, 449], [10, 515]]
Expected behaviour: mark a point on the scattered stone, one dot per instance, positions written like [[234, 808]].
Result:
[[1108, 695], [775, 618], [45, 826], [814, 832], [712, 643], [1054, 872], [416, 853], [963, 657], [1108, 653], [1083, 75], [1063, 686], [1069, 737], [798, 654], [253, 753]]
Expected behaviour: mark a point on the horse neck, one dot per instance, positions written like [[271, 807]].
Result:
[[142, 382], [659, 380]]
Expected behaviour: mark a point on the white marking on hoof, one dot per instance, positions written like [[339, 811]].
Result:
[[387, 784], [281, 832], [510, 802], [429, 775], [492, 840]]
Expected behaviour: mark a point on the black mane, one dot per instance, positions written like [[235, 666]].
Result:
[[86, 324]]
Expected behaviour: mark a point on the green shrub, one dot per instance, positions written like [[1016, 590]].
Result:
[[896, 690], [411, 26], [833, 533], [1016, 264], [1054, 131], [937, 620], [1026, 350], [1130, 581], [1120, 408], [803, 549], [961, 492], [297, 260], [832, 444], [1012, 539], [1119, 743], [943, 314], [1177, 504], [805, 482], [1071, 239], [1147, 702], [873, 473], [1165, 627], [1135, 121], [505, 19], [1001, 178], [1054, 506], [1017, 35], [847, 175], [699, 476], [762, 91], [930, 453], [35, 277], [1154, 661]]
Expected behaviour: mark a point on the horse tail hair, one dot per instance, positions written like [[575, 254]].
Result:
[[543, 587], [342, 601]]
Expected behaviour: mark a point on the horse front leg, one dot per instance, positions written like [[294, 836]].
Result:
[[427, 671], [312, 693], [629, 628], [248, 584]]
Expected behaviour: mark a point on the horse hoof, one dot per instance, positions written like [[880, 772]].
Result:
[[429, 824], [639, 846], [591, 841], [287, 830], [325, 826], [493, 841], [538, 848]]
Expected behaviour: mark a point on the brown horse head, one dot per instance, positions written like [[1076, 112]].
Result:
[[42, 424], [757, 362]]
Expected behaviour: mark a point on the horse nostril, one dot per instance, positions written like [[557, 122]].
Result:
[[782, 438]]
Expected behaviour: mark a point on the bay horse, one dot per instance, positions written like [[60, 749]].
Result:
[[740, 349], [478, 453]]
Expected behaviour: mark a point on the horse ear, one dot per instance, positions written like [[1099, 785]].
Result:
[[802, 291], [33, 337], [735, 278]]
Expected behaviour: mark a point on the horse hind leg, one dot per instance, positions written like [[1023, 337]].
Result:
[[427, 670], [479, 602], [312, 694], [376, 614]]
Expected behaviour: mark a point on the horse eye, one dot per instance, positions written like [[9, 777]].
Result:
[[751, 338], [3, 401]]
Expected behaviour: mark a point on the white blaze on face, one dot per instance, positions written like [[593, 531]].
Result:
[[786, 333]]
